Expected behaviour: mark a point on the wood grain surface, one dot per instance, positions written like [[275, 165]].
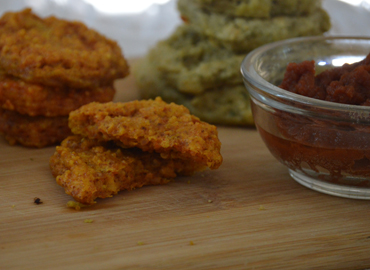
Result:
[[248, 214]]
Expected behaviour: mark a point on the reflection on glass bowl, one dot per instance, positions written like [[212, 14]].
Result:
[[325, 145]]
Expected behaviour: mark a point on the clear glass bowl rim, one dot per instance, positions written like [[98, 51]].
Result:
[[251, 76]]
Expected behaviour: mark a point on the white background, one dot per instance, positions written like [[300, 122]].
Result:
[[138, 24]]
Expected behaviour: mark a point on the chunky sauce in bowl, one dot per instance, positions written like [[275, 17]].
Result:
[[337, 152]]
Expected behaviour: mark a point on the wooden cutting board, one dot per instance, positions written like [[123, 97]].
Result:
[[248, 214]]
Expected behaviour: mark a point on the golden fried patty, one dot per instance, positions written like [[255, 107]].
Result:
[[36, 99], [37, 131], [89, 169], [151, 125], [57, 52]]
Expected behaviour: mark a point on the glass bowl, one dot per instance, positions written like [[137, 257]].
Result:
[[325, 145]]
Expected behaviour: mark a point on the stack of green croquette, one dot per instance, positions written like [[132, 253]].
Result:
[[199, 64]]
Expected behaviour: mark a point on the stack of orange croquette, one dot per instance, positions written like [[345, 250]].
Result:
[[48, 68]]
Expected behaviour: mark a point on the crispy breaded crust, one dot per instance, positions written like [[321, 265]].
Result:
[[56, 52], [37, 131], [89, 169], [151, 125], [35, 99]]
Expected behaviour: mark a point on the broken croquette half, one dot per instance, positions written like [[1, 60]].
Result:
[[153, 126], [89, 169]]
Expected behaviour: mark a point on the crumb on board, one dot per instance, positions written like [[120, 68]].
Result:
[[140, 243], [210, 201], [37, 200], [88, 220], [191, 243], [261, 207], [75, 205]]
